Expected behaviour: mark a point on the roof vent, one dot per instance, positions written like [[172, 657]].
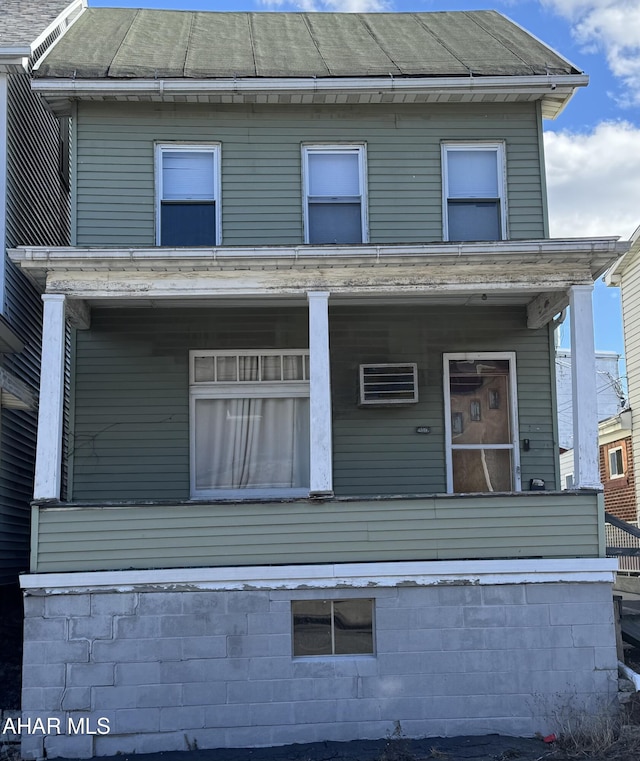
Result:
[[389, 384]]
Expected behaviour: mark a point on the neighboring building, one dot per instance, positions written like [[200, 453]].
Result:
[[616, 467], [626, 275], [609, 391], [309, 304], [34, 210]]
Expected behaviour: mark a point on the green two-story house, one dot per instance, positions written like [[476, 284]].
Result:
[[302, 345]]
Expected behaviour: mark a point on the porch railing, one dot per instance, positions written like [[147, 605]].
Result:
[[623, 542]]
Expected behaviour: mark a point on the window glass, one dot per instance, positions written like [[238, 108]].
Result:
[[257, 443], [188, 212], [616, 465], [332, 627], [333, 174], [334, 199], [335, 223], [187, 175], [473, 174], [472, 183], [475, 220]]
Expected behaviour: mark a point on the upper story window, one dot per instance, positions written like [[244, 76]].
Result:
[[188, 189], [334, 194], [473, 191]]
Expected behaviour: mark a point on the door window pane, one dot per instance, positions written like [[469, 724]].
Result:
[[481, 470]]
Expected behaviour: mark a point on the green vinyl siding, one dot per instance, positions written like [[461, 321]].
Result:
[[557, 525], [261, 166], [131, 392]]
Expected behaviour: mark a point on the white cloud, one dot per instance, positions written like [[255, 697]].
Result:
[[614, 27], [594, 181], [337, 6]]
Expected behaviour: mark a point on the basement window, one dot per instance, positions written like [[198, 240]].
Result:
[[332, 627], [188, 190]]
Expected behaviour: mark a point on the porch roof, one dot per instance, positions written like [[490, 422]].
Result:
[[535, 273]]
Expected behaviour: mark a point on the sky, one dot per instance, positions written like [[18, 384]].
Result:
[[592, 149]]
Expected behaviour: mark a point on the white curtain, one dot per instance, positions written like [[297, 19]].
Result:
[[260, 443]]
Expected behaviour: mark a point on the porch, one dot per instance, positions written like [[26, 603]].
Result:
[[128, 535]]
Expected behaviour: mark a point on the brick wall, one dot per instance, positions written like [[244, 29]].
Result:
[[619, 492]]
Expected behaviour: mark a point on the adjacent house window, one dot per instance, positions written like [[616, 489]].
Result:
[[332, 627], [188, 188], [473, 191], [616, 463], [249, 415], [568, 481], [334, 194], [481, 423]]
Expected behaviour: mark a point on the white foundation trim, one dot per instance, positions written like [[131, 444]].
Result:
[[344, 576]]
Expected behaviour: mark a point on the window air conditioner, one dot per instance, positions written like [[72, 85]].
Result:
[[385, 384]]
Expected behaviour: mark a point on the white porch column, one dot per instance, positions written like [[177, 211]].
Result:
[[321, 472], [586, 459], [50, 412]]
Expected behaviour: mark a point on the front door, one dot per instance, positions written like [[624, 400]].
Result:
[[481, 423]]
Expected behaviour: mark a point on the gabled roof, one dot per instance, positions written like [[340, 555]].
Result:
[[120, 43], [23, 21]]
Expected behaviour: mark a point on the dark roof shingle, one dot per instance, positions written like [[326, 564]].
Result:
[[124, 43], [22, 21]]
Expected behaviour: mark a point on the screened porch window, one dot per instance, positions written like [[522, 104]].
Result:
[[481, 424], [473, 182], [250, 423], [334, 206], [188, 195]]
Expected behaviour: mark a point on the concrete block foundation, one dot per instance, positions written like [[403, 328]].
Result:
[[171, 669]]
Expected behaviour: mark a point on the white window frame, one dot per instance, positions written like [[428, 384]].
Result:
[[496, 147], [285, 389], [212, 148], [354, 148], [514, 444], [611, 452]]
